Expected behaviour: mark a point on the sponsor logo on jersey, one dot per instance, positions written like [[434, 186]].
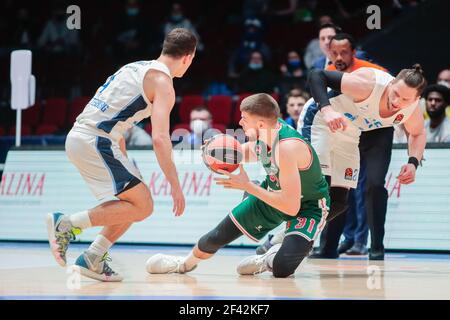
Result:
[[350, 116], [398, 118], [349, 174]]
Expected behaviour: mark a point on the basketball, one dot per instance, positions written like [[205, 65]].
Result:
[[222, 152]]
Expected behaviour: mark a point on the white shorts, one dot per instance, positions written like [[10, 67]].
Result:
[[338, 152], [101, 163]]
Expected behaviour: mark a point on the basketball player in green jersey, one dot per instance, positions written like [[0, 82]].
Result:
[[294, 191]]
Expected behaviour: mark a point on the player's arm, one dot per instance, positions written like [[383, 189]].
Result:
[[123, 146], [416, 145], [358, 85], [163, 102], [288, 199], [248, 151]]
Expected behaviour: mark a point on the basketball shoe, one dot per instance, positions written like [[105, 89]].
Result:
[[60, 233]]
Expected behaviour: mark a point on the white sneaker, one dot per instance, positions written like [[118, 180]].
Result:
[[257, 263], [163, 263]]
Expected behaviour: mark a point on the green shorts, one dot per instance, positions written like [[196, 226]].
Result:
[[255, 218]]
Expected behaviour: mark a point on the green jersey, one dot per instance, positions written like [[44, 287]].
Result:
[[313, 183]]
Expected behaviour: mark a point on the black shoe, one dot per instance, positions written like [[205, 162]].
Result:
[[344, 246], [358, 249], [323, 255], [376, 254]]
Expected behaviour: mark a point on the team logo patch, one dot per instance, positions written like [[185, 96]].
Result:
[[398, 118], [349, 174]]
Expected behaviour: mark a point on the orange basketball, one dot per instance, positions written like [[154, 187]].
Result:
[[222, 152]]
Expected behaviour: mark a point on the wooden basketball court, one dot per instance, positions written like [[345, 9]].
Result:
[[28, 271]]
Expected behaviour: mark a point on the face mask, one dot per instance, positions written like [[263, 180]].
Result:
[[294, 64], [133, 11], [199, 126], [255, 66], [176, 17]]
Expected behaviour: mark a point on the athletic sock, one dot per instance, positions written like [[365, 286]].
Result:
[[100, 245], [81, 220], [191, 261]]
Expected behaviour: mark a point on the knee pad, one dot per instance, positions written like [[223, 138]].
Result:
[[292, 252], [339, 202], [220, 236], [210, 242]]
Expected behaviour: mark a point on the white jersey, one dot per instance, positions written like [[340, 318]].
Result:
[[365, 115], [338, 152], [120, 103]]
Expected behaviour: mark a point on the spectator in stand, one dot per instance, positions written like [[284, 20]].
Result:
[[137, 137], [293, 68], [201, 127], [178, 20], [256, 77], [296, 99], [313, 49], [252, 40], [326, 32], [131, 33], [56, 37], [444, 78], [292, 75], [437, 98]]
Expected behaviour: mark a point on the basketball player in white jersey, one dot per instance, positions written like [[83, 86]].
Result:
[[363, 100], [96, 147]]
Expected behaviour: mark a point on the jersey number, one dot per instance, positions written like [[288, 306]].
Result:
[[108, 81], [302, 222]]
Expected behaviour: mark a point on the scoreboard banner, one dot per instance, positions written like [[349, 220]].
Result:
[[36, 182]]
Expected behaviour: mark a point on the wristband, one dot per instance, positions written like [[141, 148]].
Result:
[[414, 161]]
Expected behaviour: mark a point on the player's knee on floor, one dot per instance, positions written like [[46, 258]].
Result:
[[292, 252], [339, 202]]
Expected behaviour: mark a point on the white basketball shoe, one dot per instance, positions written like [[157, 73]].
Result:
[[257, 263], [163, 263]]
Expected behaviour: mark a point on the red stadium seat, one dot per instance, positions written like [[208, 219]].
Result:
[[222, 128], [76, 107], [55, 111], [2, 131], [31, 116], [24, 131], [237, 111], [188, 103], [220, 108], [46, 129], [185, 126]]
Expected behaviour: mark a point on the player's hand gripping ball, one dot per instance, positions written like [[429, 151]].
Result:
[[222, 152]]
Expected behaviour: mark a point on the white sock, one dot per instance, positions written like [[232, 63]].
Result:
[[100, 245], [271, 255], [81, 220], [277, 238], [191, 261]]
